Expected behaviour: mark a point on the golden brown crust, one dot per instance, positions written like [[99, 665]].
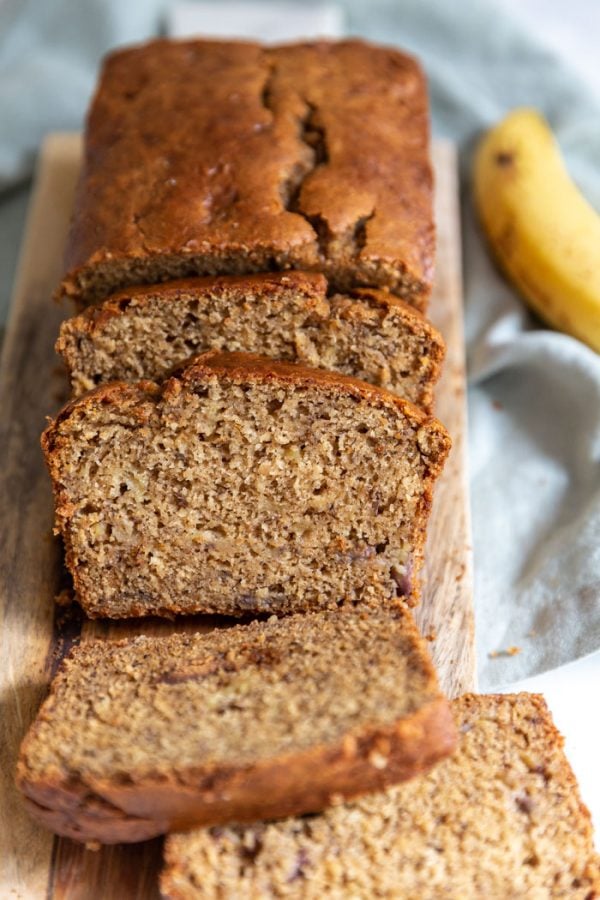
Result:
[[311, 284], [292, 785], [242, 367], [207, 157]]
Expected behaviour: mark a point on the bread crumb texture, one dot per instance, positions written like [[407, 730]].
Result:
[[500, 818], [143, 332], [243, 485]]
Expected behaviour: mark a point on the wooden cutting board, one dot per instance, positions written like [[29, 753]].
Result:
[[34, 636]]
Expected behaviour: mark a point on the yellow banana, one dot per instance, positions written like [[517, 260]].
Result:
[[543, 232]]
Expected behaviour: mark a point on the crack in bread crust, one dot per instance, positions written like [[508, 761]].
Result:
[[231, 158]]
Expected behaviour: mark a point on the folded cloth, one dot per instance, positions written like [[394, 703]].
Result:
[[534, 397], [49, 55]]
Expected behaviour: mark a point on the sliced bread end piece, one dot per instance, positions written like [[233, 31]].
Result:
[[257, 721]]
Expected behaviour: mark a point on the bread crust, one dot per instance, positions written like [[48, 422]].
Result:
[[289, 785], [92, 318], [365, 757], [241, 367], [207, 157]]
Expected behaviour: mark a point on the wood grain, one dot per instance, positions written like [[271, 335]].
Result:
[[34, 864], [446, 611], [30, 385]]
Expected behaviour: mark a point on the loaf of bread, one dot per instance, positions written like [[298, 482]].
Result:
[[242, 485], [206, 158], [268, 719], [500, 819], [143, 332]]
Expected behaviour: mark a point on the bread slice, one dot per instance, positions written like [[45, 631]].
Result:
[[142, 332], [147, 735], [226, 157], [242, 485], [502, 818]]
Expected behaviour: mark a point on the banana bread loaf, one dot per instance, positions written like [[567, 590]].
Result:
[[242, 485], [500, 819], [273, 718], [206, 158], [143, 332]]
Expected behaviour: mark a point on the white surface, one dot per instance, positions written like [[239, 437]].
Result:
[[571, 29], [572, 690], [257, 21]]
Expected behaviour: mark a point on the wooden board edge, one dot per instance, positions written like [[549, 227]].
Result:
[[450, 524], [28, 554]]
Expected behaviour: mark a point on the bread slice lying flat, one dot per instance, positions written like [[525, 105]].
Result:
[[273, 718], [500, 819], [242, 485], [142, 332]]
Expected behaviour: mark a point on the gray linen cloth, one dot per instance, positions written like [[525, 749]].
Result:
[[534, 395]]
